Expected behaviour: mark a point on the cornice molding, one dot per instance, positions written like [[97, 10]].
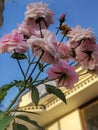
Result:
[[50, 101]]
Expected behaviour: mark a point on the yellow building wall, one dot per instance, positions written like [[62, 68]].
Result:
[[72, 121]]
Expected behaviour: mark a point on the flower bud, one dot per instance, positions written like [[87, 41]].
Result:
[[65, 29], [62, 18]]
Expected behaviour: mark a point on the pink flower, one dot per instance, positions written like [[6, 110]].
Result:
[[13, 41], [78, 35], [26, 29], [64, 51], [46, 44], [87, 54], [39, 10], [63, 74]]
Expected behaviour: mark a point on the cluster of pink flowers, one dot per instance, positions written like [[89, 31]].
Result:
[[84, 44], [13, 41], [33, 34]]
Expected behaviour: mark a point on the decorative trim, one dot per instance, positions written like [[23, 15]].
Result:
[[83, 83]]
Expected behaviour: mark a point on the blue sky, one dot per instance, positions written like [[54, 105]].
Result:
[[83, 12], [79, 12]]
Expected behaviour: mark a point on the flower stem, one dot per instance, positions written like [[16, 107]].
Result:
[[45, 23], [39, 73], [57, 31], [35, 66], [28, 59], [20, 68], [61, 40], [40, 30], [45, 81]]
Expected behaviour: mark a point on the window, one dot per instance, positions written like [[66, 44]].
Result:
[[91, 116]]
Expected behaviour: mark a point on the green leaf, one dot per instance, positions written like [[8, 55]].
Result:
[[41, 67], [5, 120], [53, 90], [25, 118], [18, 56], [19, 83], [35, 95], [17, 126], [4, 89], [1, 115], [2, 95]]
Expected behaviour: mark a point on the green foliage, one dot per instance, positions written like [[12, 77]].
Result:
[[35, 95], [4, 89], [5, 120], [18, 56], [25, 118], [53, 90], [17, 126], [40, 65], [19, 83]]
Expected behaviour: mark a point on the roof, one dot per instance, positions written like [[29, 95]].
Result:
[[84, 91]]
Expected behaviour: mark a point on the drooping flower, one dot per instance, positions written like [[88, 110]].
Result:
[[47, 44], [64, 51], [13, 41], [78, 35], [39, 12], [26, 29], [63, 74], [87, 55]]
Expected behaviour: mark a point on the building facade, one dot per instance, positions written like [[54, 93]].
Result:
[[80, 112]]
